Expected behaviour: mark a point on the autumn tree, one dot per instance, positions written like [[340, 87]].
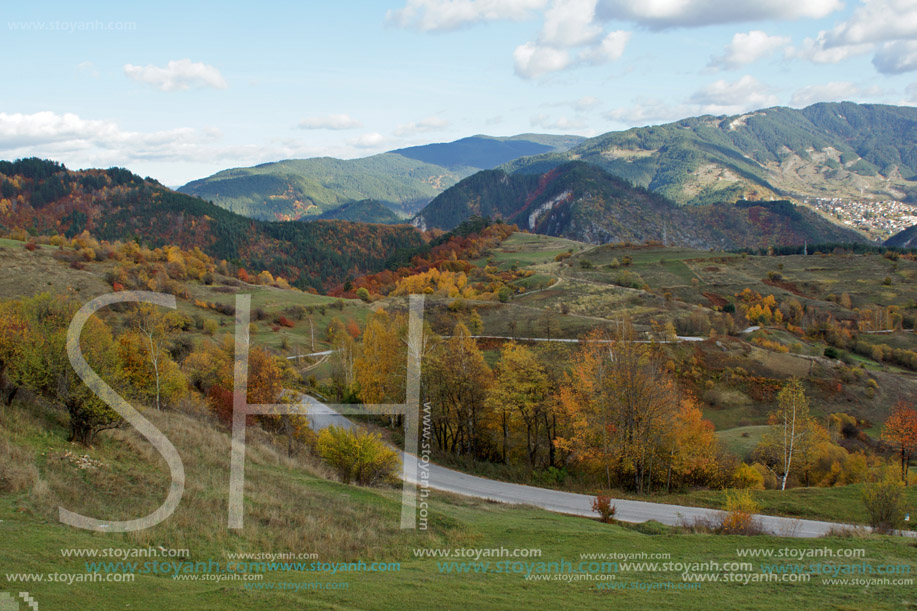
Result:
[[519, 395], [456, 383], [622, 403], [689, 448], [267, 377], [150, 336], [555, 358], [901, 431], [381, 367], [11, 329], [343, 356], [43, 366], [792, 430]]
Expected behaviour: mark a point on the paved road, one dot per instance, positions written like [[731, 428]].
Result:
[[303, 356], [566, 340], [441, 478]]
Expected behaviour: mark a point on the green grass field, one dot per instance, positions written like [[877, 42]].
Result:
[[294, 504], [742, 440], [292, 508]]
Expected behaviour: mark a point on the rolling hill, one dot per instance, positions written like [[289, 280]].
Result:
[[404, 180], [44, 197], [842, 150], [904, 239], [485, 152], [581, 201], [363, 211]]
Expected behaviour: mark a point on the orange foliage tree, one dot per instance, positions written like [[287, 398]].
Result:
[[628, 419], [901, 431]]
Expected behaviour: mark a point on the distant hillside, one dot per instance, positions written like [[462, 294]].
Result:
[[298, 188], [826, 150], [44, 197], [485, 152], [904, 239], [404, 180], [363, 211], [582, 202]]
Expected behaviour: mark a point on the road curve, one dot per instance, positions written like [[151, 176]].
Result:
[[440, 478]]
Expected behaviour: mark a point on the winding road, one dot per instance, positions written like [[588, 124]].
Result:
[[321, 416]]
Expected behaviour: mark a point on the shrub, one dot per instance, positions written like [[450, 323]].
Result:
[[747, 477], [602, 506], [884, 504], [357, 457], [739, 518], [363, 294], [210, 326], [550, 477]]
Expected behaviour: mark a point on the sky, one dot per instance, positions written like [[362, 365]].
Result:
[[180, 90]]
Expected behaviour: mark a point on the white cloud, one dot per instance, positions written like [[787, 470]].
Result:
[[562, 124], [18, 130], [174, 155], [817, 50], [434, 15], [749, 47], [430, 124], [662, 14], [68, 136], [876, 21], [570, 23], [892, 22], [896, 57], [367, 141], [649, 111], [831, 92], [335, 122], [586, 103], [610, 49], [533, 60], [88, 68], [725, 98], [573, 32], [178, 75], [582, 105]]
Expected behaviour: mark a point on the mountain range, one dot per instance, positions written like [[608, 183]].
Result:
[[836, 150], [44, 197], [581, 201], [707, 182], [403, 180], [831, 150]]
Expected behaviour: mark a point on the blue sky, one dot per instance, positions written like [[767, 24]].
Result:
[[178, 91]]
